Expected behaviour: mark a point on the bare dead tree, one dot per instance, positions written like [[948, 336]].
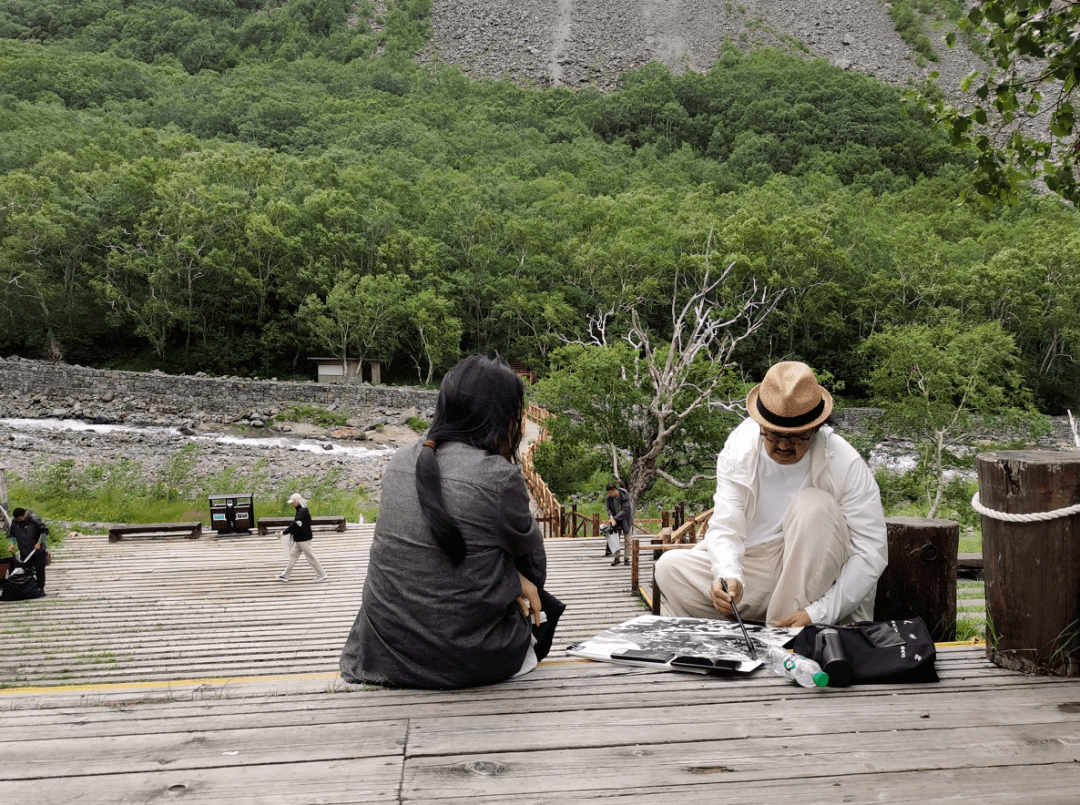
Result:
[[704, 327], [699, 330]]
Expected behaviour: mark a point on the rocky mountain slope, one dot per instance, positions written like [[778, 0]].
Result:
[[590, 42]]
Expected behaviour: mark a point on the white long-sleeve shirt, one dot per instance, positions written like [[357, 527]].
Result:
[[835, 467]]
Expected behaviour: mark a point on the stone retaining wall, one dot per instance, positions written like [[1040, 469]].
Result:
[[862, 422], [37, 389]]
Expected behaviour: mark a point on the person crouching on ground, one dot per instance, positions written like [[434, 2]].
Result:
[[797, 529], [28, 533], [454, 595], [300, 531]]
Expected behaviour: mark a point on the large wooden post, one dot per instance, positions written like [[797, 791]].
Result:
[[1032, 569], [921, 576]]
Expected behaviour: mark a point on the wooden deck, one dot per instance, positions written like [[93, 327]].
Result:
[[177, 671]]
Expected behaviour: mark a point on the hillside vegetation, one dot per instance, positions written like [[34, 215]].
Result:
[[234, 186]]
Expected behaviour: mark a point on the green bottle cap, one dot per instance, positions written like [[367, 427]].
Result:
[[821, 679]]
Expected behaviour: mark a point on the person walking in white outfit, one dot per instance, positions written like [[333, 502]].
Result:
[[797, 530], [300, 530]]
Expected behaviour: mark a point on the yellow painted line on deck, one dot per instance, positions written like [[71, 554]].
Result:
[[108, 686], [975, 641]]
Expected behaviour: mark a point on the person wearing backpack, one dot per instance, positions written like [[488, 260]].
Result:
[[28, 533]]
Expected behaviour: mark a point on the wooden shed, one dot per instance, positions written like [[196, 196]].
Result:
[[348, 370]]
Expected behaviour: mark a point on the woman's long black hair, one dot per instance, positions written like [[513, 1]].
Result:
[[481, 403]]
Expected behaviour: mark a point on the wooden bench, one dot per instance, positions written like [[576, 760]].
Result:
[[337, 521], [117, 533], [969, 566]]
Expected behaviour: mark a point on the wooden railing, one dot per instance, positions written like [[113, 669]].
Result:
[[549, 512], [539, 416], [682, 536], [556, 521]]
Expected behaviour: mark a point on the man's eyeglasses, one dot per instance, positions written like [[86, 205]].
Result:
[[790, 438]]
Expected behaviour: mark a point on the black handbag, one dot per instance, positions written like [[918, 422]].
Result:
[[893, 651]]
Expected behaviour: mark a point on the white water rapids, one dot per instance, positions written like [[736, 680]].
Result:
[[320, 446]]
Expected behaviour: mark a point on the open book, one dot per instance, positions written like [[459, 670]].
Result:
[[699, 645]]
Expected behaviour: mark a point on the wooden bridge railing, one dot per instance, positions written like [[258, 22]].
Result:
[[554, 518], [550, 513], [682, 536]]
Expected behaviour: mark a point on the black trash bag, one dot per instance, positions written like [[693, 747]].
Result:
[[21, 585], [893, 651]]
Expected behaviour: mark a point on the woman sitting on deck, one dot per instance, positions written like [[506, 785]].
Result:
[[454, 587]]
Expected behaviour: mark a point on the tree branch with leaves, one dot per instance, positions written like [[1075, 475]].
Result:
[[937, 382], [1021, 120]]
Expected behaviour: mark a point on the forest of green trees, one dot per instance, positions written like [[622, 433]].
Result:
[[231, 186]]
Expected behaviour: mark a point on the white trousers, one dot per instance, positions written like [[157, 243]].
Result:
[[779, 577], [305, 549]]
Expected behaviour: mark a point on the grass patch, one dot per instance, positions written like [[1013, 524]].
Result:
[[122, 492], [314, 414], [970, 590], [970, 629], [907, 22]]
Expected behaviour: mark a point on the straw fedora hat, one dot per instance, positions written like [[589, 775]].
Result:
[[789, 399]]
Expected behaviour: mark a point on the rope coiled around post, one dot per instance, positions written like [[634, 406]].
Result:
[[1033, 517]]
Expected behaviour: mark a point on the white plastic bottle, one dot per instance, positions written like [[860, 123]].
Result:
[[795, 667]]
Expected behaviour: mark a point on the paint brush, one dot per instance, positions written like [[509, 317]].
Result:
[[749, 644]]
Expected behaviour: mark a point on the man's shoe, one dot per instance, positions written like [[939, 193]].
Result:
[[321, 578], [615, 562], [281, 577]]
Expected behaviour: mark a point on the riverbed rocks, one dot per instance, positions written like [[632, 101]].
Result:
[[261, 431], [268, 461]]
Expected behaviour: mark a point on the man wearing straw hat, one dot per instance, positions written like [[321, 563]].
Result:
[[797, 530]]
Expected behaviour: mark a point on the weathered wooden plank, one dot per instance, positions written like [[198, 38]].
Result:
[[825, 713], [341, 782], [681, 765], [978, 785], [443, 725], [611, 683], [211, 746]]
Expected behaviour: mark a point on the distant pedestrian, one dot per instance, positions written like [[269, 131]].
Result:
[[620, 517], [27, 534], [300, 531]]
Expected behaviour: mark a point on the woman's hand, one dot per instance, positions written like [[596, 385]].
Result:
[[529, 600]]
